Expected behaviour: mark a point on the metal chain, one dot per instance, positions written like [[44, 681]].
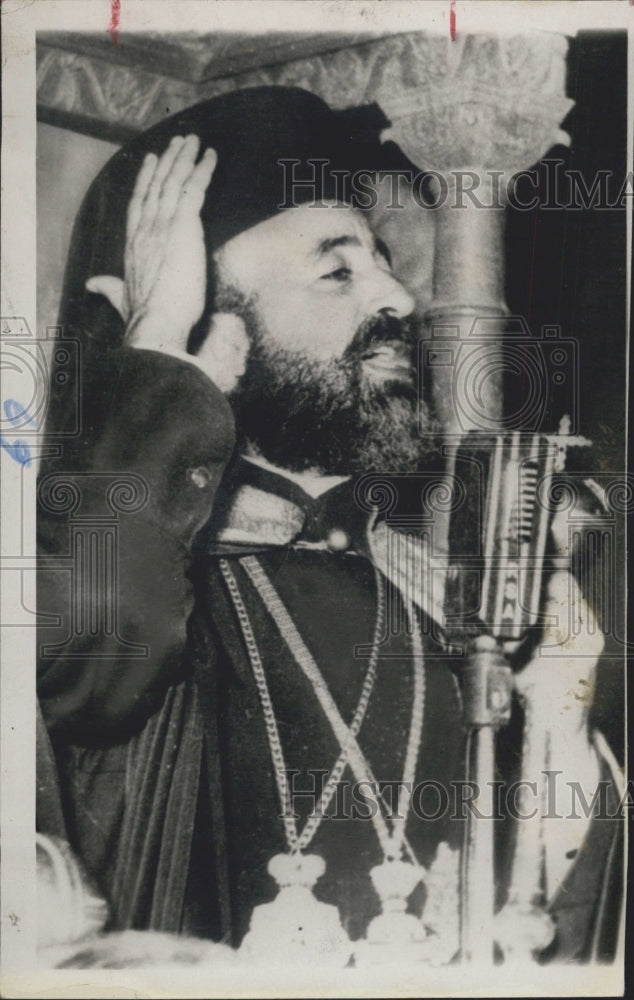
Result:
[[415, 734], [300, 842], [270, 722], [392, 842]]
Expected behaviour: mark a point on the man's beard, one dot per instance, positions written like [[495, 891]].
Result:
[[301, 413]]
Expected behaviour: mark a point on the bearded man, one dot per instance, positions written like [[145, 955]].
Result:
[[215, 695]]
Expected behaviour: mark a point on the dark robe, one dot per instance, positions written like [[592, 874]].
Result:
[[148, 694]]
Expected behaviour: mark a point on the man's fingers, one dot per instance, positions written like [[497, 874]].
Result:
[[164, 183], [168, 159], [178, 175], [153, 193], [144, 178], [193, 193], [165, 243]]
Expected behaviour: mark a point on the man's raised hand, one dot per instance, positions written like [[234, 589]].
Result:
[[163, 294]]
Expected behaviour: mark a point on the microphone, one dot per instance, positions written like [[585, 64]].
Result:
[[498, 535]]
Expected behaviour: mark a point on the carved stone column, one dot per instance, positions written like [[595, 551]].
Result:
[[473, 112]]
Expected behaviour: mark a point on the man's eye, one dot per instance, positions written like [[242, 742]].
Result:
[[339, 274]]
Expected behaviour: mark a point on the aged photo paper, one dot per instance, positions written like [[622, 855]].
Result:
[[314, 360]]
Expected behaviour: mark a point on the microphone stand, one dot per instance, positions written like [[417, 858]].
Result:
[[486, 693]]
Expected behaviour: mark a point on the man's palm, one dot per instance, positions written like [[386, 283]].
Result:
[[163, 294]]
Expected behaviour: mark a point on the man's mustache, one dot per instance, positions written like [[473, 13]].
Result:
[[378, 330]]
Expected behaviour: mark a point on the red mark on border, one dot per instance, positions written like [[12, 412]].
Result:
[[115, 14], [452, 20]]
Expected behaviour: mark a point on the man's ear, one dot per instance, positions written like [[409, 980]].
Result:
[[224, 350], [114, 290]]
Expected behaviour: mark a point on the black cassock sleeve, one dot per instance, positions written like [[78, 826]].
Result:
[[117, 513]]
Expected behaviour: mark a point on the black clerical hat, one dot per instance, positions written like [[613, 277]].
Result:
[[277, 146]]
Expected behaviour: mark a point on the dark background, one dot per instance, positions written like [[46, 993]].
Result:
[[568, 267]]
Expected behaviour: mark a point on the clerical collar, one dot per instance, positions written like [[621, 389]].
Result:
[[259, 506], [256, 508], [313, 483]]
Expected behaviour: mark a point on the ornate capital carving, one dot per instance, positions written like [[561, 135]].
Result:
[[480, 102]]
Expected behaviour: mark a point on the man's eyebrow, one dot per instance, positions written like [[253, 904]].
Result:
[[332, 242]]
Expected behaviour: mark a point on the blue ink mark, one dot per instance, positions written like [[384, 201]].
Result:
[[16, 414], [18, 450]]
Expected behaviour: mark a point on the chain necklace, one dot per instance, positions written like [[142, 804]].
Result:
[[295, 841], [395, 879]]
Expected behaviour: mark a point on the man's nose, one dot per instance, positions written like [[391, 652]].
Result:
[[389, 296]]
